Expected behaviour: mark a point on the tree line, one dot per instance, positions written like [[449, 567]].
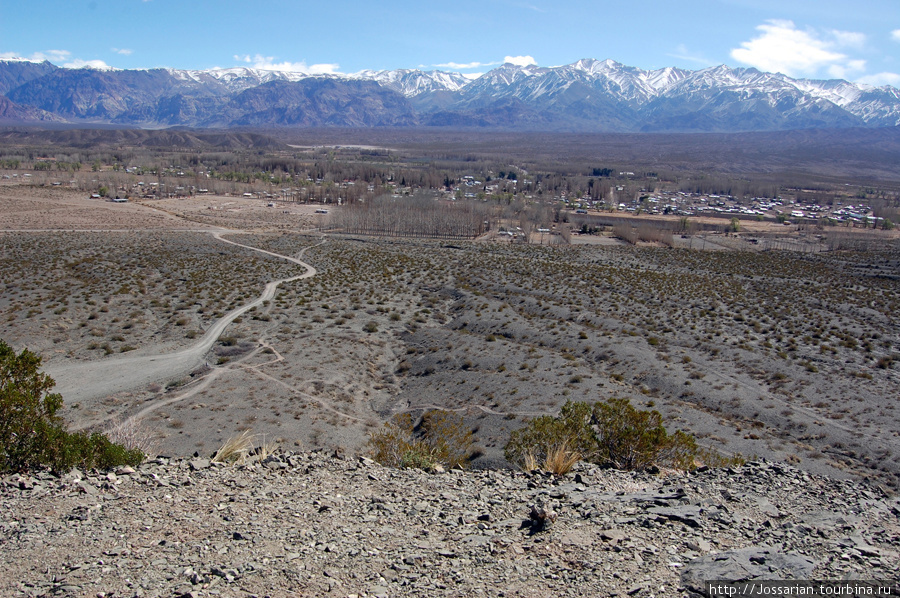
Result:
[[414, 216]]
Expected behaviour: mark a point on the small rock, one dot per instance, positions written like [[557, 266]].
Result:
[[541, 517], [612, 535], [85, 488], [198, 464]]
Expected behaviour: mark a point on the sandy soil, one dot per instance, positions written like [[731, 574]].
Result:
[[37, 208], [246, 214]]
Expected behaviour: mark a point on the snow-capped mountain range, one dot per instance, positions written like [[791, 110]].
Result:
[[588, 95]]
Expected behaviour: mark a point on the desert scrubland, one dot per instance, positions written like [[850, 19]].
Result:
[[777, 354]]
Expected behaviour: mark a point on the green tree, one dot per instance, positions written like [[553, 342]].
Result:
[[28, 420], [32, 434]]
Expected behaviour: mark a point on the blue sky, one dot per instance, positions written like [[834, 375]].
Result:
[[858, 41]]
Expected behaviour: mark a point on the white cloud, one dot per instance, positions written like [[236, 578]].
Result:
[[880, 79], [528, 6], [848, 70], [520, 60], [783, 48], [682, 53], [88, 64], [59, 57], [852, 39], [122, 51], [895, 35], [464, 65], [51, 55], [267, 63]]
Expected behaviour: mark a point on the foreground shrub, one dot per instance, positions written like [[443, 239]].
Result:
[[438, 438], [32, 435], [544, 436], [560, 460], [611, 433]]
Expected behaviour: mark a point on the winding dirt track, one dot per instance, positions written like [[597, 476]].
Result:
[[96, 379]]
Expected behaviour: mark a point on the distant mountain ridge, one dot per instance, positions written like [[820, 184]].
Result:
[[588, 95]]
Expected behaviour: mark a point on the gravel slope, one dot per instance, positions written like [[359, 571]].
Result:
[[313, 524]]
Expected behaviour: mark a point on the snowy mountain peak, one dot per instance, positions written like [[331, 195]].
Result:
[[411, 83], [586, 95]]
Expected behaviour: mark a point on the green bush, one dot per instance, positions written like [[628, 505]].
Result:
[[438, 438], [33, 435], [545, 434], [611, 433]]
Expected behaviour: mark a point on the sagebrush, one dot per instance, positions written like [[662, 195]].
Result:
[[437, 438], [611, 433]]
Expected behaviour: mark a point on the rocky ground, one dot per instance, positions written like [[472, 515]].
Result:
[[317, 524]]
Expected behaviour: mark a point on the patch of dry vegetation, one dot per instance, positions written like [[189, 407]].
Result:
[[94, 294]]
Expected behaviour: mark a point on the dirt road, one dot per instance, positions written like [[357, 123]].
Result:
[[95, 379]]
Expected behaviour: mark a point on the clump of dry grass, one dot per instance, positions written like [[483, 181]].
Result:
[[265, 449], [560, 460], [236, 449], [131, 434]]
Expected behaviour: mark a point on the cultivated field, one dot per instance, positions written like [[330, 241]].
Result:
[[777, 354]]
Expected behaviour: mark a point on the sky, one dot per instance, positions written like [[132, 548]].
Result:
[[817, 39]]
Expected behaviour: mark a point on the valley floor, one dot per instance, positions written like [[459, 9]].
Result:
[[781, 355]]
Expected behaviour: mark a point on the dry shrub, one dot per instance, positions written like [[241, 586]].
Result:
[[236, 449], [132, 435], [437, 438], [655, 234], [561, 460]]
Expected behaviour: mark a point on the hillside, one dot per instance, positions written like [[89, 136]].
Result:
[[323, 525]]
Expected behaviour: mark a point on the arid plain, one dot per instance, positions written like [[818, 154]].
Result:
[[778, 354]]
